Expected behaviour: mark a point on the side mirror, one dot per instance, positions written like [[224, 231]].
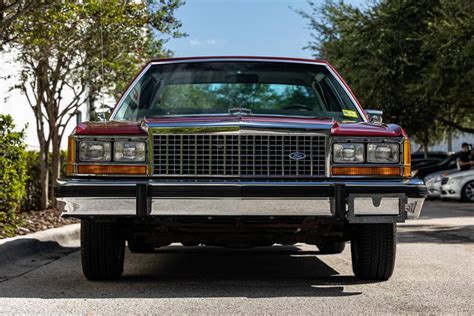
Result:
[[103, 114], [375, 116]]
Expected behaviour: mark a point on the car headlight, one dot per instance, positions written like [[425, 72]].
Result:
[[129, 151], [95, 151], [383, 153], [348, 152]]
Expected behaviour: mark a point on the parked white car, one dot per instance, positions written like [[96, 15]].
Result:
[[458, 185], [433, 182]]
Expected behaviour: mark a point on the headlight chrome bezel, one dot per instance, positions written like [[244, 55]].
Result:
[[112, 152], [365, 147], [397, 156]]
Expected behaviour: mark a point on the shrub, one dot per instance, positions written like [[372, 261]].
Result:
[[12, 173], [32, 198]]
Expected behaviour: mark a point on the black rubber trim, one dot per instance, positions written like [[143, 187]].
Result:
[[143, 205], [340, 201], [256, 191], [409, 190]]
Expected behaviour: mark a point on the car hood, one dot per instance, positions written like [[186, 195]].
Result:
[[439, 174], [462, 174], [280, 122]]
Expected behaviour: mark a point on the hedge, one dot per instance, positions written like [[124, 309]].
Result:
[[13, 173], [32, 198]]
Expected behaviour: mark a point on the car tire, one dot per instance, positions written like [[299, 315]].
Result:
[[138, 245], [329, 248], [373, 250], [467, 192], [102, 250]]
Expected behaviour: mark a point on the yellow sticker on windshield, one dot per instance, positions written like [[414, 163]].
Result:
[[349, 113]]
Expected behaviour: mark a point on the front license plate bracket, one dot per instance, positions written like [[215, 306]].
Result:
[[376, 208]]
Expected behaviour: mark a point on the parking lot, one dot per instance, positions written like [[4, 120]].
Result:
[[434, 274]]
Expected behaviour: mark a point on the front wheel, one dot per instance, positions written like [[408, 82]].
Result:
[[373, 249], [467, 193], [102, 250]]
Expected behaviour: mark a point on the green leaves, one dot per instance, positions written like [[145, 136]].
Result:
[[73, 52], [411, 58], [12, 173], [97, 43]]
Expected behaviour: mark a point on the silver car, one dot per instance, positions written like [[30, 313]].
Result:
[[459, 186], [433, 182]]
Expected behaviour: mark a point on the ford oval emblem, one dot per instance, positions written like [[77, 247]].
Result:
[[297, 155]]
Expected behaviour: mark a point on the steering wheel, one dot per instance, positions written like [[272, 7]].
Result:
[[298, 106]]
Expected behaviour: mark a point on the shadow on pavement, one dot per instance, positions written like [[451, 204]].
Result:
[[446, 209], [199, 272], [23, 255], [436, 234]]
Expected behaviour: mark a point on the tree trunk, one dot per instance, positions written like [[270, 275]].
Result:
[[44, 174], [425, 149], [55, 161], [449, 136], [41, 79]]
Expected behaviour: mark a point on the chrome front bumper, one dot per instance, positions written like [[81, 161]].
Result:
[[199, 207], [355, 201]]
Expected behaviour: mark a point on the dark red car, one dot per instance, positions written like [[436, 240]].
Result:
[[239, 152]]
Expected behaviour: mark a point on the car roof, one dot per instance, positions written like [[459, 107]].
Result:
[[263, 58]]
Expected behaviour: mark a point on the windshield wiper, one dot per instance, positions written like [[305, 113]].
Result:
[[240, 111]]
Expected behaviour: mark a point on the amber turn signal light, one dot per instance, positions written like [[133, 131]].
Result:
[[406, 158], [71, 155], [112, 169], [366, 171], [71, 150]]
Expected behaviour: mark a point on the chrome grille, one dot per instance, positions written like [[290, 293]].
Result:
[[239, 155]]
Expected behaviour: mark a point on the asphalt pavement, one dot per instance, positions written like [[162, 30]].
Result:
[[434, 273]]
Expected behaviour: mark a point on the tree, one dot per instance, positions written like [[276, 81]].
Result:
[[83, 49], [447, 78], [385, 54], [11, 10]]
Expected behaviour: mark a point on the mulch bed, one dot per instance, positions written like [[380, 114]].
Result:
[[33, 221]]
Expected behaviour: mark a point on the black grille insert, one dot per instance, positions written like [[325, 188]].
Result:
[[239, 155]]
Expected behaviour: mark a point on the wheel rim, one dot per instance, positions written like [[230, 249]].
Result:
[[469, 191]]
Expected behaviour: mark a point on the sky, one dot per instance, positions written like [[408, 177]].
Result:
[[244, 27]]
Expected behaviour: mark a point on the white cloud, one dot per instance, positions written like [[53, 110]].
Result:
[[197, 42]]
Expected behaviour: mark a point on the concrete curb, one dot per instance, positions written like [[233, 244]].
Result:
[[19, 255]]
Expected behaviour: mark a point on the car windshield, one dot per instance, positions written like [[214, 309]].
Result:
[[237, 88], [449, 159]]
